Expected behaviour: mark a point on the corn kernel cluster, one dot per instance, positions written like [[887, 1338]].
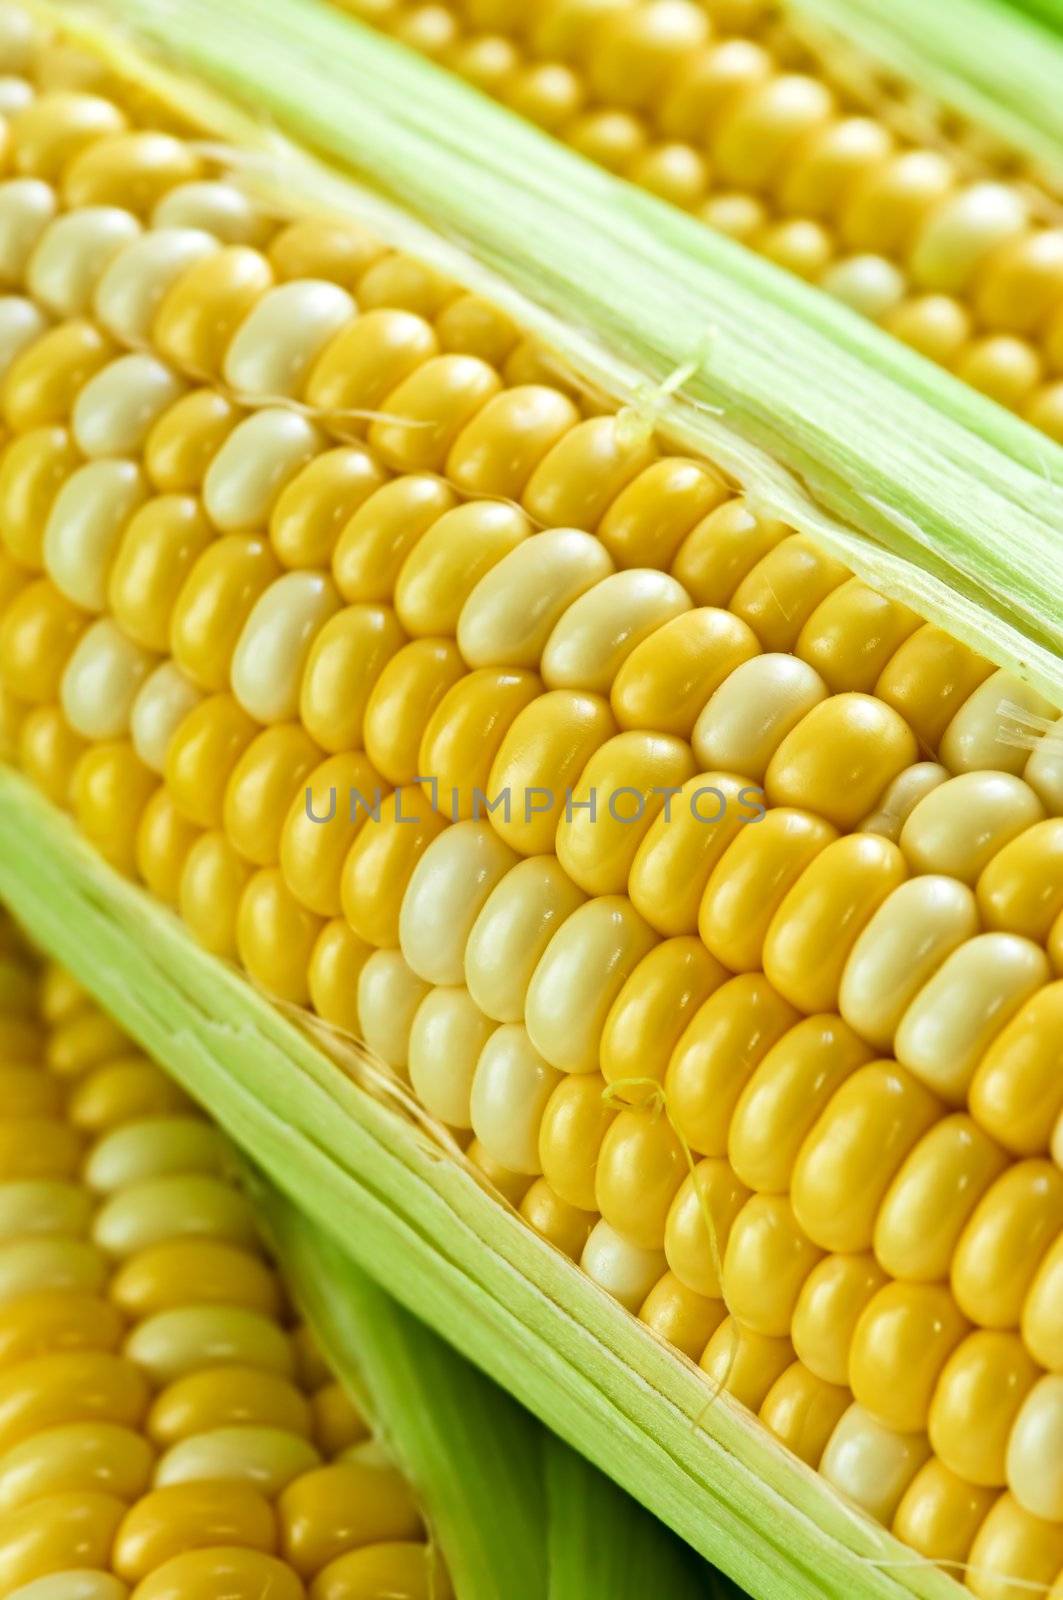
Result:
[[717, 108], [165, 1431], [286, 518]]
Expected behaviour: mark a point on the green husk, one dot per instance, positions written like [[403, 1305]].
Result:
[[999, 69], [926, 489], [410, 1214], [519, 1515]]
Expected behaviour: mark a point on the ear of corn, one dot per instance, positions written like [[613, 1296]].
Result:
[[788, 1092], [169, 1431]]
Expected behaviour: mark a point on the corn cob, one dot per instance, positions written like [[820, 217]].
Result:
[[479, 588], [165, 1430], [727, 112]]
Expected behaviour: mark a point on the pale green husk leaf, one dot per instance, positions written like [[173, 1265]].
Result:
[[926, 489], [415, 1217]]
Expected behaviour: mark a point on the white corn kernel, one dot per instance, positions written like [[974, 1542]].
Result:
[[621, 1269], [278, 342], [101, 681], [214, 207], [164, 700], [135, 282], [257, 460], [27, 206], [267, 665], [72, 254], [21, 322], [85, 525], [445, 895], [510, 1088], [115, 410]]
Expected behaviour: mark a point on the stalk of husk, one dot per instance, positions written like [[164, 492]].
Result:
[[927, 490], [402, 1207]]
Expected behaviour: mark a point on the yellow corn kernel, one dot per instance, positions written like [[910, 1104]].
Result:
[[275, 936], [930, 1200], [448, 1033], [402, 702], [137, 1216], [699, 1223], [265, 1459], [55, 128], [82, 1042], [47, 1321], [504, 443], [26, 1091], [579, 976], [31, 1265], [380, 861], [900, 1344], [511, 932], [276, 644], [82, 1456], [114, 412], [851, 1155], [185, 440], [136, 278], [778, 595], [574, 1123], [684, 1319], [152, 1147], [120, 1091], [202, 755], [906, 941], [476, 327], [323, 822], [389, 994], [38, 632], [511, 1087], [69, 1386], [640, 1168], [900, 798], [597, 850], [652, 1010], [549, 94], [397, 279], [803, 1411], [1042, 1322], [199, 314], [636, 51], [1001, 1247], [41, 384], [940, 1514], [751, 878], [262, 787], [1033, 1460], [812, 934], [109, 791], [173, 1344], [338, 249], [101, 681], [853, 634], [85, 527], [840, 758], [666, 681], [721, 549], [210, 892], [766, 1261], [682, 846], [49, 751], [191, 1516], [427, 411], [338, 1424], [744, 1363], [59, 1531], [342, 1507], [277, 343], [612, 139], [542, 754], [203, 1271], [232, 1571], [367, 362], [463, 737], [449, 559], [752, 712], [512, 1186], [1021, 888], [594, 637], [33, 468], [377, 538], [976, 1400], [1013, 1553], [564, 1225], [223, 1397], [625, 1271], [314, 508], [871, 1463], [928, 679], [717, 1053], [649, 520], [787, 1092], [446, 893], [158, 549]]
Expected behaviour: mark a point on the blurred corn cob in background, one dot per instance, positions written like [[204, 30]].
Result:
[[289, 517], [736, 111]]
